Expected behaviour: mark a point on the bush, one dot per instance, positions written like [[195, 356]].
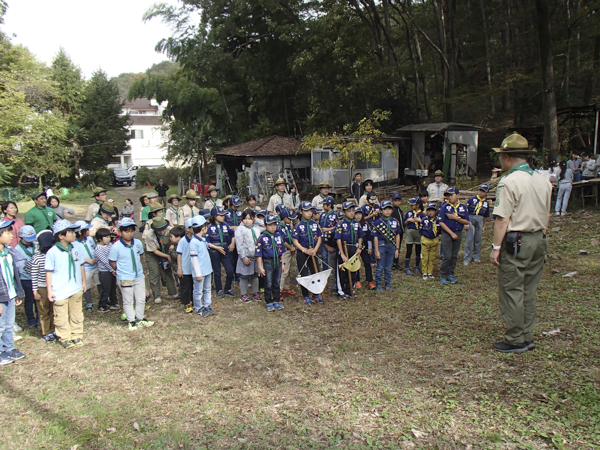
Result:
[[102, 178], [169, 175]]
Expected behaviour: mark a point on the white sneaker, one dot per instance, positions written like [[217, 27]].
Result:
[[16, 337], [17, 328], [157, 300], [557, 214]]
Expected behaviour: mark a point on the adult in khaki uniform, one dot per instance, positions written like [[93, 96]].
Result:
[[103, 219], [522, 206], [280, 197], [189, 209], [437, 188], [100, 197], [174, 214], [318, 200], [157, 258], [212, 199]]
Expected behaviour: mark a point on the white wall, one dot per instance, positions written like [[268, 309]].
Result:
[[147, 151]]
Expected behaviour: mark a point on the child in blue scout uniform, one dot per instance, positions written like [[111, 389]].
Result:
[[11, 294], [329, 243], [430, 238], [479, 211], [412, 223], [327, 223], [399, 216], [65, 280], [126, 258], [269, 252], [349, 239], [233, 218], [87, 248], [23, 253], [366, 255], [221, 243], [201, 268], [184, 264], [386, 243], [454, 216], [285, 228], [307, 240]]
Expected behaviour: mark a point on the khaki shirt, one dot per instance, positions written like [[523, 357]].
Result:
[[92, 211], [276, 200], [209, 204], [436, 193], [189, 212], [151, 239], [175, 216], [524, 199], [317, 202], [97, 223]]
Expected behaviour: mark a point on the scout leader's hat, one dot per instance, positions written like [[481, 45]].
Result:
[[279, 181], [152, 195], [324, 184], [191, 194], [107, 208], [155, 206], [142, 198], [35, 196], [173, 197], [438, 173], [159, 223], [212, 187], [97, 191], [515, 143]]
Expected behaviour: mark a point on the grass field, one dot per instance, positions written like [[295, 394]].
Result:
[[409, 369]]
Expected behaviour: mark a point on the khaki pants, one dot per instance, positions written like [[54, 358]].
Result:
[[134, 299], [518, 279], [68, 318], [156, 274], [46, 311], [285, 272], [163, 201], [429, 249]]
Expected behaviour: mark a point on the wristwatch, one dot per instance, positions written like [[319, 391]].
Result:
[[496, 247]]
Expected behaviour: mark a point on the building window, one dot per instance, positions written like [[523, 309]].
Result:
[[137, 134], [362, 165], [319, 156]]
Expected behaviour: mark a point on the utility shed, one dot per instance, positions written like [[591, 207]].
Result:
[[447, 146], [265, 160]]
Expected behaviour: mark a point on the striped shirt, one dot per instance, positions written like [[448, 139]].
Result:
[[36, 268], [102, 252]]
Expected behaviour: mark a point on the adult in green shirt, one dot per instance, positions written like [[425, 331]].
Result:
[[40, 217]]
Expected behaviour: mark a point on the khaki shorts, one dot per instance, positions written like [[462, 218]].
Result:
[[92, 275], [412, 237]]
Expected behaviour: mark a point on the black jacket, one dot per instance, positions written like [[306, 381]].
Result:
[[356, 190], [161, 190]]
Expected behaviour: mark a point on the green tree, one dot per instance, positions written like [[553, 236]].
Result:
[[70, 85], [106, 133]]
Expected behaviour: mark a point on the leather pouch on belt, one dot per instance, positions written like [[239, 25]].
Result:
[[513, 243]]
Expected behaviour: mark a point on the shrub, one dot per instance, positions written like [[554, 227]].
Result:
[[168, 174], [102, 178]]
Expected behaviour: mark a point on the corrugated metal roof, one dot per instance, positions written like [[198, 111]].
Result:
[[272, 145], [440, 126]]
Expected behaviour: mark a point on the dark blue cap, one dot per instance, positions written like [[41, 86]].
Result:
[[347, 205], [396, 195], [217, 211], [386, 204]]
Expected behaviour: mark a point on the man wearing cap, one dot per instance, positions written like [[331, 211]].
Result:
[[212, 198], [157, 258], [318, 200], [161, 189], [190, 209], [100, 197], [479, 211], [40, 217], [280, 197], [437, 188], [174, 213], [522, 209], [23, 253], [102, 219]]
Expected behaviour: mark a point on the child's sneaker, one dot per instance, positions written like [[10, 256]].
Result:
[[5, 359], [88, 307], [443, 281], [103, 309], [230, 293], [388, 288], [372, 285], [430, 275], [132, 326], [278, 306], [123, 317], [207, 311], [17, 328], [17, 337], [245, 298], [417, 270], [271, 306], [49, 338], [15, 354], [78, 342], [379, 289], [189, 309], [358, 285], [158, 300], [200, 311], [342, 295], [407, 271], [220, 293], [317, 298], [451, 279], [256, 296], [68, 344], [307, 300], [114, 307], [424, 276], [145, 323]]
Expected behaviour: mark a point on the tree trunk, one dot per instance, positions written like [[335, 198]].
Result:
[[488, 66], [590, 84], [548, 89], [506, 43]]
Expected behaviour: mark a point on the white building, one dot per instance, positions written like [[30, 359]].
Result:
[[147, 139]]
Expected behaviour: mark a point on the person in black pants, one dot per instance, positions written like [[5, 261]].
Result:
[[161, 189], [398, 215], [357, 189]]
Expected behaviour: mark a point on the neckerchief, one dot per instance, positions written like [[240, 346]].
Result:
[[46, 216], [523, 167], [352, 231], [274, 247], [26, 249], [311, 240], [130, 247], [9, 275], [218, 225], [84, 243], [281, 195], [415, 215], [388, 228], [479, 204], [69, 250], [176, 211], [251, 228], [294, 199], [235, 217], [287, 232]]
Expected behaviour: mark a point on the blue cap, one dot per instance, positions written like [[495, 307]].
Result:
[[262, 212], [386, 204], [484, 187], [62, 225], [432, 205], [305, 206], [204, 213], [339, 215], [366, 209], [126, 222], [413, 200], [188, 222], [235, 200], [452, 190], [271, 219], [27, 233], [45, 239], [217, 211], [347, 205], [328, 200], [293, 215], [198, 221], [284, 213], [82, 225], [396, 195], [279, 208], [6, 223], [358, 209]]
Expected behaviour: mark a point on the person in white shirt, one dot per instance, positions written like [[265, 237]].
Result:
[[437, 189]]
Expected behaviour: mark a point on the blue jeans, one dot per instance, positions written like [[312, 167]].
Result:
[[272, 280], [562, 198], [7, 323], [473, 240], [217, 259], [325, 257], [202, 292], [386, 250]]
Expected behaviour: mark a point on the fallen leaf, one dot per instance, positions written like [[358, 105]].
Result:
[[418, 434], [570, 274], [111, 430], [595, 242], [583, 252], [551, 332], [136, 426], [555, 271]]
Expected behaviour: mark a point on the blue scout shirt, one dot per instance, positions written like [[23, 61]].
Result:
[[430, 228], [478, 207], [183, 248], [327, 220], [222, 239], [370, 210], [65, 266], [22, 255], [285, 230], [411, 215], [386, 230], [307, 233], [348, 231], [199, 249], [87, 248], [233, 218], [459, 209], [264, 246], [127, 257]]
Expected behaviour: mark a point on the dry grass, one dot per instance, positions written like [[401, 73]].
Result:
[[410, 369]]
